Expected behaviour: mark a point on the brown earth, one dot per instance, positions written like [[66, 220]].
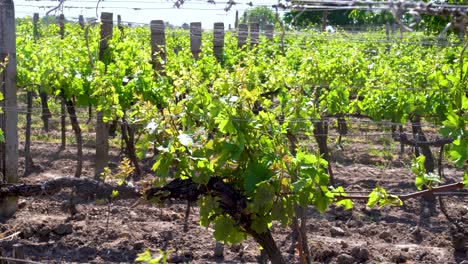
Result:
[[116, 232]]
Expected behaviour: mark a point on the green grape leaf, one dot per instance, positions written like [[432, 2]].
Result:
[[209, 207], [279, 211], [417, 166], [459, 151], [147, 257], [346, 203], [225, 125], [263, 198], [419, 182], [225, 230], [255, 173], [260, 224], [380, 196], [163, 164], [228, 151], [322, 199]]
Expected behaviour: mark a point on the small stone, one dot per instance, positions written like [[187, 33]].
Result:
[[22, 204], [114, 210], [360, 253], [405, 249], [343, 244], [344, 259], [399, 258], [64, 229], [165, 217], [27, 232], [44, 231], [219, 250], [236, 248], [464, 210], [79, 217], [138, 246], [336, 231], [384, 235], [459, 241], [133, 214]]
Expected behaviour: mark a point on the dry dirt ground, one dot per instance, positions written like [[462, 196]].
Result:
[[116, 232]]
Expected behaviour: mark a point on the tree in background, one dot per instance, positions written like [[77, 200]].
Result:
[[428, 23], [261, 15], [435, 24], [337, 18]]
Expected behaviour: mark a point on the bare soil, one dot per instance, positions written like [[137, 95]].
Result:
[[116, 232]]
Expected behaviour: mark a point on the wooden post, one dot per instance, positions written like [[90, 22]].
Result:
[[9, 116], [218, 41], [35, 30], [387, 30], [18, 253], [324, 20], [102, 131], [195, 39], [120, 26], [401, 32], [62, 25], [62, 100], [254, 31], [81, 21], [158, 46], [269, 31], [241, 35], [219, 250], [3, 254], [236, 22], [28, 161]]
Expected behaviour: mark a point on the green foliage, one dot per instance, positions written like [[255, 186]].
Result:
[[346, 203], [148, 258], [423, 179], [381, 197], [124, 171], [455, 127], [337, 18], [232, 120], [226, 230]]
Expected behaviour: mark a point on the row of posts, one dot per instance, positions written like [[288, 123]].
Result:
[[158, 38]]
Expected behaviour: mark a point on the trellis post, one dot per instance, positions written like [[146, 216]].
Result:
[[102, 129], [62, 100], [9, 115], [81, 21], [241, 35], [254, 31], [269, 31], [158, 46], [218, 41], [195, 39]]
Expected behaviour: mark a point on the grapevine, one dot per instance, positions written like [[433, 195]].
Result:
[[227, 130]]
